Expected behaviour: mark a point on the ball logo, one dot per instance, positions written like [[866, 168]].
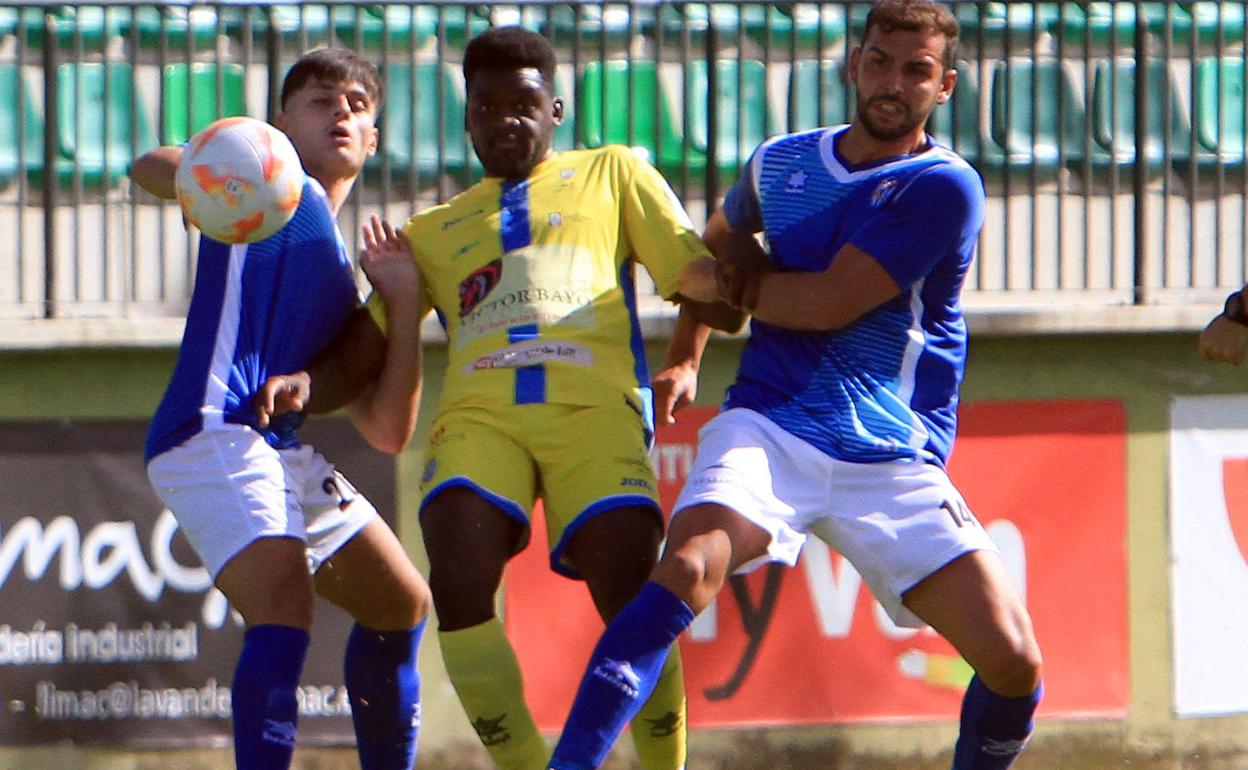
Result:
[[477, 286]]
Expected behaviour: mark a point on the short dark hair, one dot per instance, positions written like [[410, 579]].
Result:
[[507, 48], [335, 65], [917, 16]]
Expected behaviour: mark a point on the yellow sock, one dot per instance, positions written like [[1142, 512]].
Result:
[[660, 734], [483, 668]]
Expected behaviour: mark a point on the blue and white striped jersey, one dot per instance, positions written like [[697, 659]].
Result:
[[886, 386], [258, 309]]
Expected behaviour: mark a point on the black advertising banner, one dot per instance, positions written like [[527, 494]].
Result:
[[110, 630]]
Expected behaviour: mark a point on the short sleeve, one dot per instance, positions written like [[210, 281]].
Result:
[[741, 205], [940, 211], [660, 234]]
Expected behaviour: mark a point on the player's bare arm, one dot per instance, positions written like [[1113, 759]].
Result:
[[154, 171], [854, 284], [385, 412], [741, 261], [1225, 339], [676, 384]]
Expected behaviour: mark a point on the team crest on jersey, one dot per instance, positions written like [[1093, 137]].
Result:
[[477, 286], [883, 191], [797, 182]]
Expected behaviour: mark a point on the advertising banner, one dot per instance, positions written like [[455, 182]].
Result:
[[1209, 541], [810, 645], [110, 630]]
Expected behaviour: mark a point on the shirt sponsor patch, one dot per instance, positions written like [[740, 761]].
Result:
[[530, 352]]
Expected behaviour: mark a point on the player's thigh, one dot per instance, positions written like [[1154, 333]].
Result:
[[477, 488], [898, 523], [614, 552], [972, 602], [227, 489], [595, 462], [372, 578], [753, 485], [268, 583]]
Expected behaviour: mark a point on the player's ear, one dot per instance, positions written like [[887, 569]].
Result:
[[374, 138], [557, 107]]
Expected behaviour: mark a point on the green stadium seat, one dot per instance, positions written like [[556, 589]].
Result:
[[654, 126], [1219, 108], [958, 124], [19, 121], [195, 96], [1036, 116], [403, 26], [1113, 116], [730, 20], [95, 128], [812, 21], [743, 110], [592, 21], [302, 26], [96, 24], [1104, 22], [812, 107], [424, 101], [1214, 19], [1022, 23]]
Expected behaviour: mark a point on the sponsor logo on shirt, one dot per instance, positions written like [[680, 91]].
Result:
[[530, 352], [448, 224], [635, 482], [478, 285], [883, 192]]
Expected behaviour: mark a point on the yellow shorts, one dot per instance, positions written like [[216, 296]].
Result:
[[581, 460]]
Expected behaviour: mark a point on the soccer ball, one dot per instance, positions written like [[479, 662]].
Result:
[[240, 180]]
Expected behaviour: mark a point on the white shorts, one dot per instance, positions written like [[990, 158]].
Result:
[[228, 488], [897, 522]]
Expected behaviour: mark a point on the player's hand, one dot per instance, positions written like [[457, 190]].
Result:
[[740, 270], [1223, 340], [698, 282], [674, 388], [280, 394], [387, 261]]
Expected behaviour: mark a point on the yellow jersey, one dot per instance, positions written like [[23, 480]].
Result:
[[533, 279]]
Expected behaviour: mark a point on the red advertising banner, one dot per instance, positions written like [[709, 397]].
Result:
[[810, 645]]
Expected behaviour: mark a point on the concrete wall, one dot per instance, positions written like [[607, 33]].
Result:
[[1142, 369]]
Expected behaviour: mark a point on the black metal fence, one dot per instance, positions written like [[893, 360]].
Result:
[[1111, 135]]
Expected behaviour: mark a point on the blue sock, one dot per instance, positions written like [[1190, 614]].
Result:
[[994, 729], [263, 696], [621, 674], [384, 685]]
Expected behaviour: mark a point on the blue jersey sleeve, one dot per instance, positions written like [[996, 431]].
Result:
[[742, 208], [940, 211]]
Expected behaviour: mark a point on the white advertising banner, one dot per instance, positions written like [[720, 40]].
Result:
[[1209, 538]]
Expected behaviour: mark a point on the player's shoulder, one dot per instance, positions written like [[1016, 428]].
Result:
[[617, 155], [458, 208], [941, 171]]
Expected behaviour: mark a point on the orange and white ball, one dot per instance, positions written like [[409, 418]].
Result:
[[240, 180]]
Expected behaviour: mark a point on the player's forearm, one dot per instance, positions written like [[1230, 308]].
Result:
[[689, 339], [799, 301], [386, 412], [155, 171], [341, 372]]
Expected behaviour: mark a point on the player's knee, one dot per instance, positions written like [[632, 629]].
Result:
[[692, 573], [1016, 670]]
